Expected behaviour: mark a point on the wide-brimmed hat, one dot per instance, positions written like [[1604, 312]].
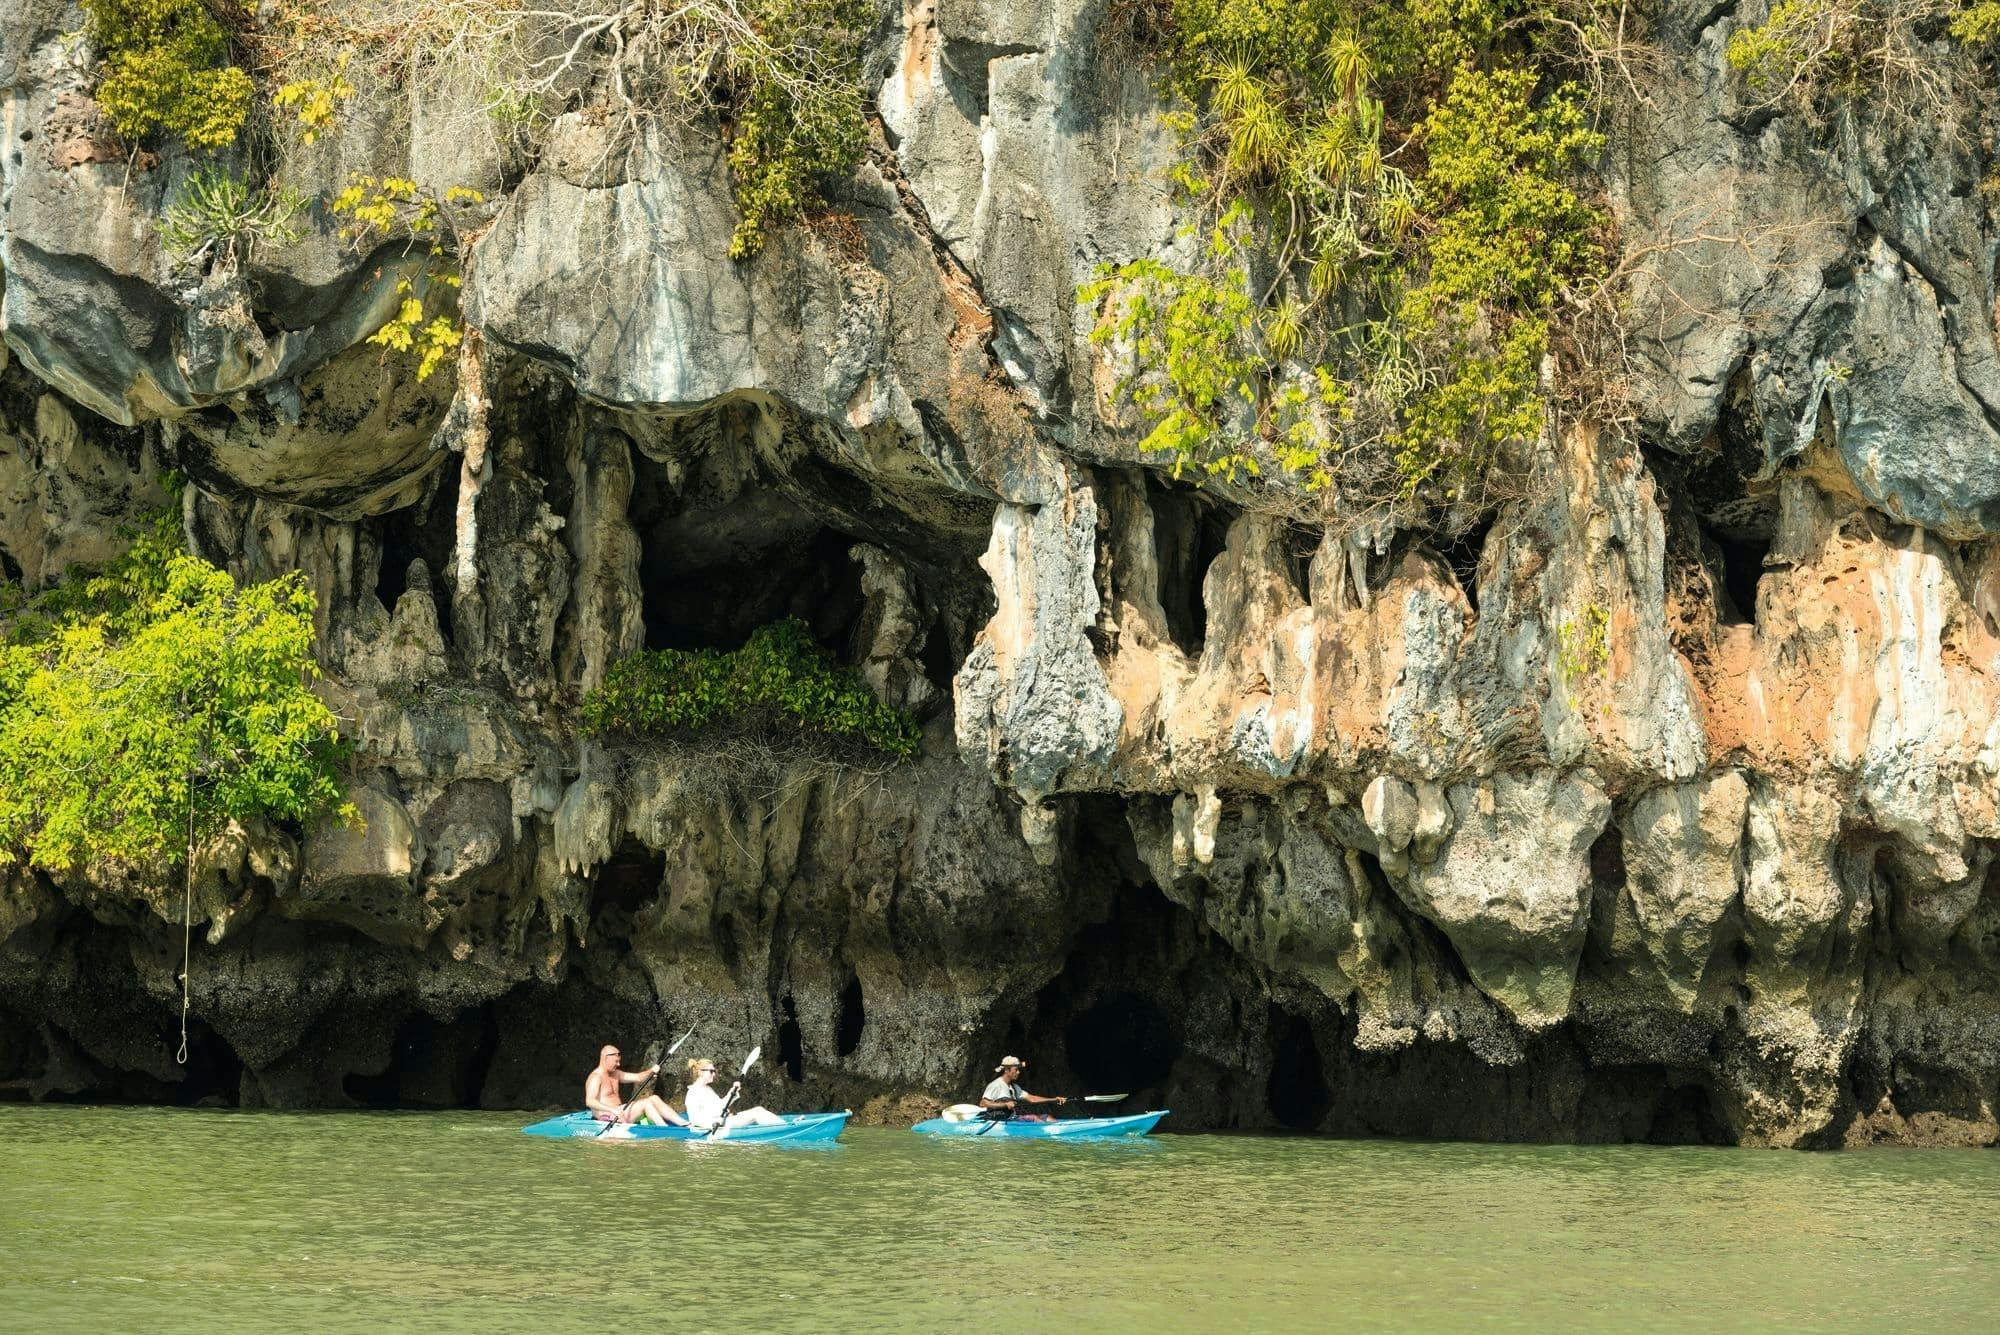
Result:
[[1005, 1062]]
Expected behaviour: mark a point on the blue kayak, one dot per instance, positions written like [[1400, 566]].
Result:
[[1066, 1128], [799, 1128]]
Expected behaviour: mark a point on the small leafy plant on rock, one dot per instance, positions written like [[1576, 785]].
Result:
[[780, 685], [426, 324]]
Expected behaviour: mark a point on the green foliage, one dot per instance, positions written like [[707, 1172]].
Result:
[[1400, 180], [1583, 643], [219, 212], [780, 680], [167, 69], [426, 324], [315, 100], [1978, 22], [797, 122], [1799, 42], [143, 709]]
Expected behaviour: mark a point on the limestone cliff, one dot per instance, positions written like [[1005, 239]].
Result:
[[1661, 805]]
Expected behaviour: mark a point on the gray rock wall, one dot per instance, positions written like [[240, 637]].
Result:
[[1268, 828]]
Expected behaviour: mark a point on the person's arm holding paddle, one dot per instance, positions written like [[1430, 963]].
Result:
[[1006, 1092]]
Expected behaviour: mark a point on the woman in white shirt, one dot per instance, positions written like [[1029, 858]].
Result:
[[704, 1105]]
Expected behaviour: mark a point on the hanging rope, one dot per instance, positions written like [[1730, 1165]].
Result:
[[187, 931]]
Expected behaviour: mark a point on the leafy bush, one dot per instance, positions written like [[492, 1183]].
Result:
[[168, 69], [144, 708], [796, 124], [1396, 222], [1978, 22], [780, 681], [219, 212]]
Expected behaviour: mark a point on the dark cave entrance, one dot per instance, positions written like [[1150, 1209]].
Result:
[[213, 1074], [1112, 1020], [852, 1018], [791, 1040], [432, 1063], [424, 531], [1297, 1092], [1463, 554], [1121, 1042], [1189, 532], [629, 881], [1742, 568], [719, 606]]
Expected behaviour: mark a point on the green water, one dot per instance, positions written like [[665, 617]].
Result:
[[155, 1219]]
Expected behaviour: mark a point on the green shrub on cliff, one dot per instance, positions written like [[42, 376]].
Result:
[[780, 683], [1395, 221], [144, 708], [783, 76], [167, 69]]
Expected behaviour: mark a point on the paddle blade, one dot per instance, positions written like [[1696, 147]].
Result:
[[751, 1060], [682, 1039], [960, 1112], [1105, 1098]]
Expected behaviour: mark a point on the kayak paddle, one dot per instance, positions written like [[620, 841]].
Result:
[[722, 1119], [1102, 1098]]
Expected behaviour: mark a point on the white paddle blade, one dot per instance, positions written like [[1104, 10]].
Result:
[[682, 1039], [1105, 1098], [961, 1112], [751, 1060]]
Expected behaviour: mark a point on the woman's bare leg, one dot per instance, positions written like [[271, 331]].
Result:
[[759, 1116]]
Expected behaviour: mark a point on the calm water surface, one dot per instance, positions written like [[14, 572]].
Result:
[[157, 1219]]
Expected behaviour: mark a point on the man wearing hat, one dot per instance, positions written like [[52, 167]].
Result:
[[1005, 1094]]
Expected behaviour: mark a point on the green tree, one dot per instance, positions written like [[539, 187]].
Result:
[[144, 710]]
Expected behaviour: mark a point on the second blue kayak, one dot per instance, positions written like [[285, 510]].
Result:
[[1066, 1128]]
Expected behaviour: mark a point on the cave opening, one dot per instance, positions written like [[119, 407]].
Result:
[[10, 569], [791, 1040], [213, 1075], [1114, 1017], [1297, 1092], [939, 658], [426, 531], [851, 1019], [1685, 1115], [23, 1056], [719, 606], [1189, 533], [1742, 568], [431, 1063], [629, 879], [1463, 554], [1121, 1042]]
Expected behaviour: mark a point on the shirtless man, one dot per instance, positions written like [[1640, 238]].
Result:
[[600, 1094]]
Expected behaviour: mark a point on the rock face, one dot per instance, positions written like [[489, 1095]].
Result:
[[1662, 807]]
